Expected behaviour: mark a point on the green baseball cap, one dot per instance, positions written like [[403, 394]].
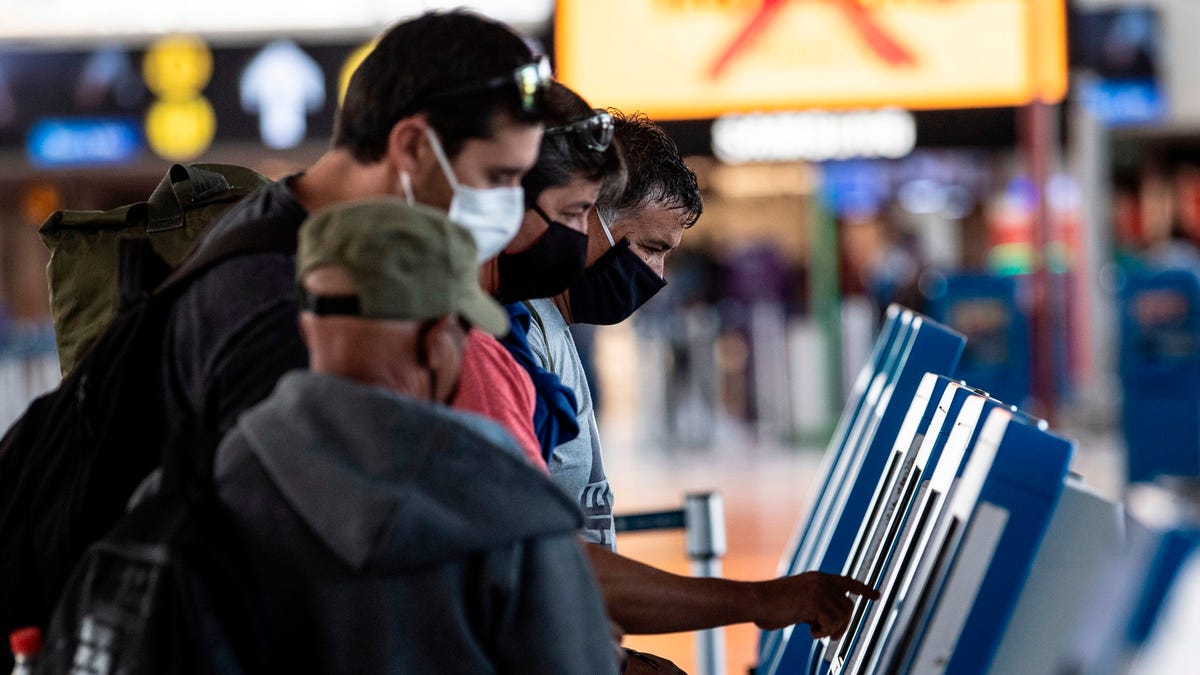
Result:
[[408, 262]]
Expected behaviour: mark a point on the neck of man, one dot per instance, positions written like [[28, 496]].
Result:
[[412, 384], [489, 276], [563, 302], [374, 367], [338, 177]]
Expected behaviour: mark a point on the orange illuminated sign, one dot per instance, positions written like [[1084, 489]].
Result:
[[679, 59]]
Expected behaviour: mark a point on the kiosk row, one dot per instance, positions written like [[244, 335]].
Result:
[[962, 511]]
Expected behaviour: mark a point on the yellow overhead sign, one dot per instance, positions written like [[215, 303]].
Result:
[[181, 124], [679, 59]]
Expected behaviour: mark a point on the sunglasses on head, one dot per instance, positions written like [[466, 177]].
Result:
[[530, 79], [594, 133]]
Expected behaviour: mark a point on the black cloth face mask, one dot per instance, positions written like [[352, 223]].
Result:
[[613, 288], [554, 262]]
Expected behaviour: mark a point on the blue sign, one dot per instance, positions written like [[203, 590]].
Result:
[[1124, 102], [84, 142]]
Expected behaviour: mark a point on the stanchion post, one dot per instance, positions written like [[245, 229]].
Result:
[[705, 527]]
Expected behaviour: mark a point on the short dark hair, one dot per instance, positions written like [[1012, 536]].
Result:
[[655, 172], [414, 59], [563, 156]]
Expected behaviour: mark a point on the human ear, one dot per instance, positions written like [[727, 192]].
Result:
[[306, 329], [443, 347], [407, 144]]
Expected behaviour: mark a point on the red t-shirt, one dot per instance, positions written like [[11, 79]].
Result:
[[494, 385]]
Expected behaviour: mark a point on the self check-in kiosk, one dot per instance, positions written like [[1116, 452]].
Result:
[[984, 308], [944, 458], [940, 497], [896, 327], [957, 414], [1160, 374], [1128, 600], [855, 466], [1172, 647], [1085, 535], [981, 550]]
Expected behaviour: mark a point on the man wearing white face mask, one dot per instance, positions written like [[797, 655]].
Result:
[[446, 111], [492, 215]]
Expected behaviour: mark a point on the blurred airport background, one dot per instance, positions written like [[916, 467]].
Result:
[[1020, 170]]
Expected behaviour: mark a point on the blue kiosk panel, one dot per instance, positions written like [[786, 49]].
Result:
[[878, 542], [895, 333], [835, 521], [998, 514], [943, 459]]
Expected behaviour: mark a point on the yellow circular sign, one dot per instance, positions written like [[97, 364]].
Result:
[[352, 63], [180, 130], [177, 67]]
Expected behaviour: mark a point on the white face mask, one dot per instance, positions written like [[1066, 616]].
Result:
[[492, 216]]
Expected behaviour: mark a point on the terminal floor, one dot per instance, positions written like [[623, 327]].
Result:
[[766, 488]]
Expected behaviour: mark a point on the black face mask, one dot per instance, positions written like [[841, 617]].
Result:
[[549, 267], [613, 287]]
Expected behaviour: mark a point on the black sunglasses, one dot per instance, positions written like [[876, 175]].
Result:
[[594, 133], [531, 79]]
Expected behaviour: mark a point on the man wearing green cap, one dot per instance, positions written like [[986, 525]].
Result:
[[388, 532]]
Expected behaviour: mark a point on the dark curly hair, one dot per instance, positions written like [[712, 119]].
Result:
[[416, 59], [655, 172]]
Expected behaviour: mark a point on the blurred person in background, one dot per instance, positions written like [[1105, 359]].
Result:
[[631, 231], [1176, 204], [445, 111], [369, 552]]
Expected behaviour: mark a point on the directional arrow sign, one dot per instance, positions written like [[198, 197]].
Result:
[[282, 85]]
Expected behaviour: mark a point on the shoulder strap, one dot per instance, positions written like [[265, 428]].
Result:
[[537, 318], [268, 235]]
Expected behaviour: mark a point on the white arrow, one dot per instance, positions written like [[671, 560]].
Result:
[[282, 84]]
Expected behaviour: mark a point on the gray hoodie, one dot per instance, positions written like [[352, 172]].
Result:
[[393, 536]]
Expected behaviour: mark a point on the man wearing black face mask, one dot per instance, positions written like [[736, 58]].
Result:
[[630, 235], [361, 496], [548, 254], [630, 232]]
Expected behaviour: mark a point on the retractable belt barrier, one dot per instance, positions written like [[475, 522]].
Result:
[[703, 520]]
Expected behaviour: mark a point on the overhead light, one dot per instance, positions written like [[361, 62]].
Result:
[[815, 136]]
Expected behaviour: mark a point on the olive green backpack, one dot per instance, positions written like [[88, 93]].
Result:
[[83, 245]]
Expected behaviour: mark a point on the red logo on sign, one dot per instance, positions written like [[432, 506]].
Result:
[[886, 47]]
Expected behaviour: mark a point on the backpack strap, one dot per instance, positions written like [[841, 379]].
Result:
[[537, 318]]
